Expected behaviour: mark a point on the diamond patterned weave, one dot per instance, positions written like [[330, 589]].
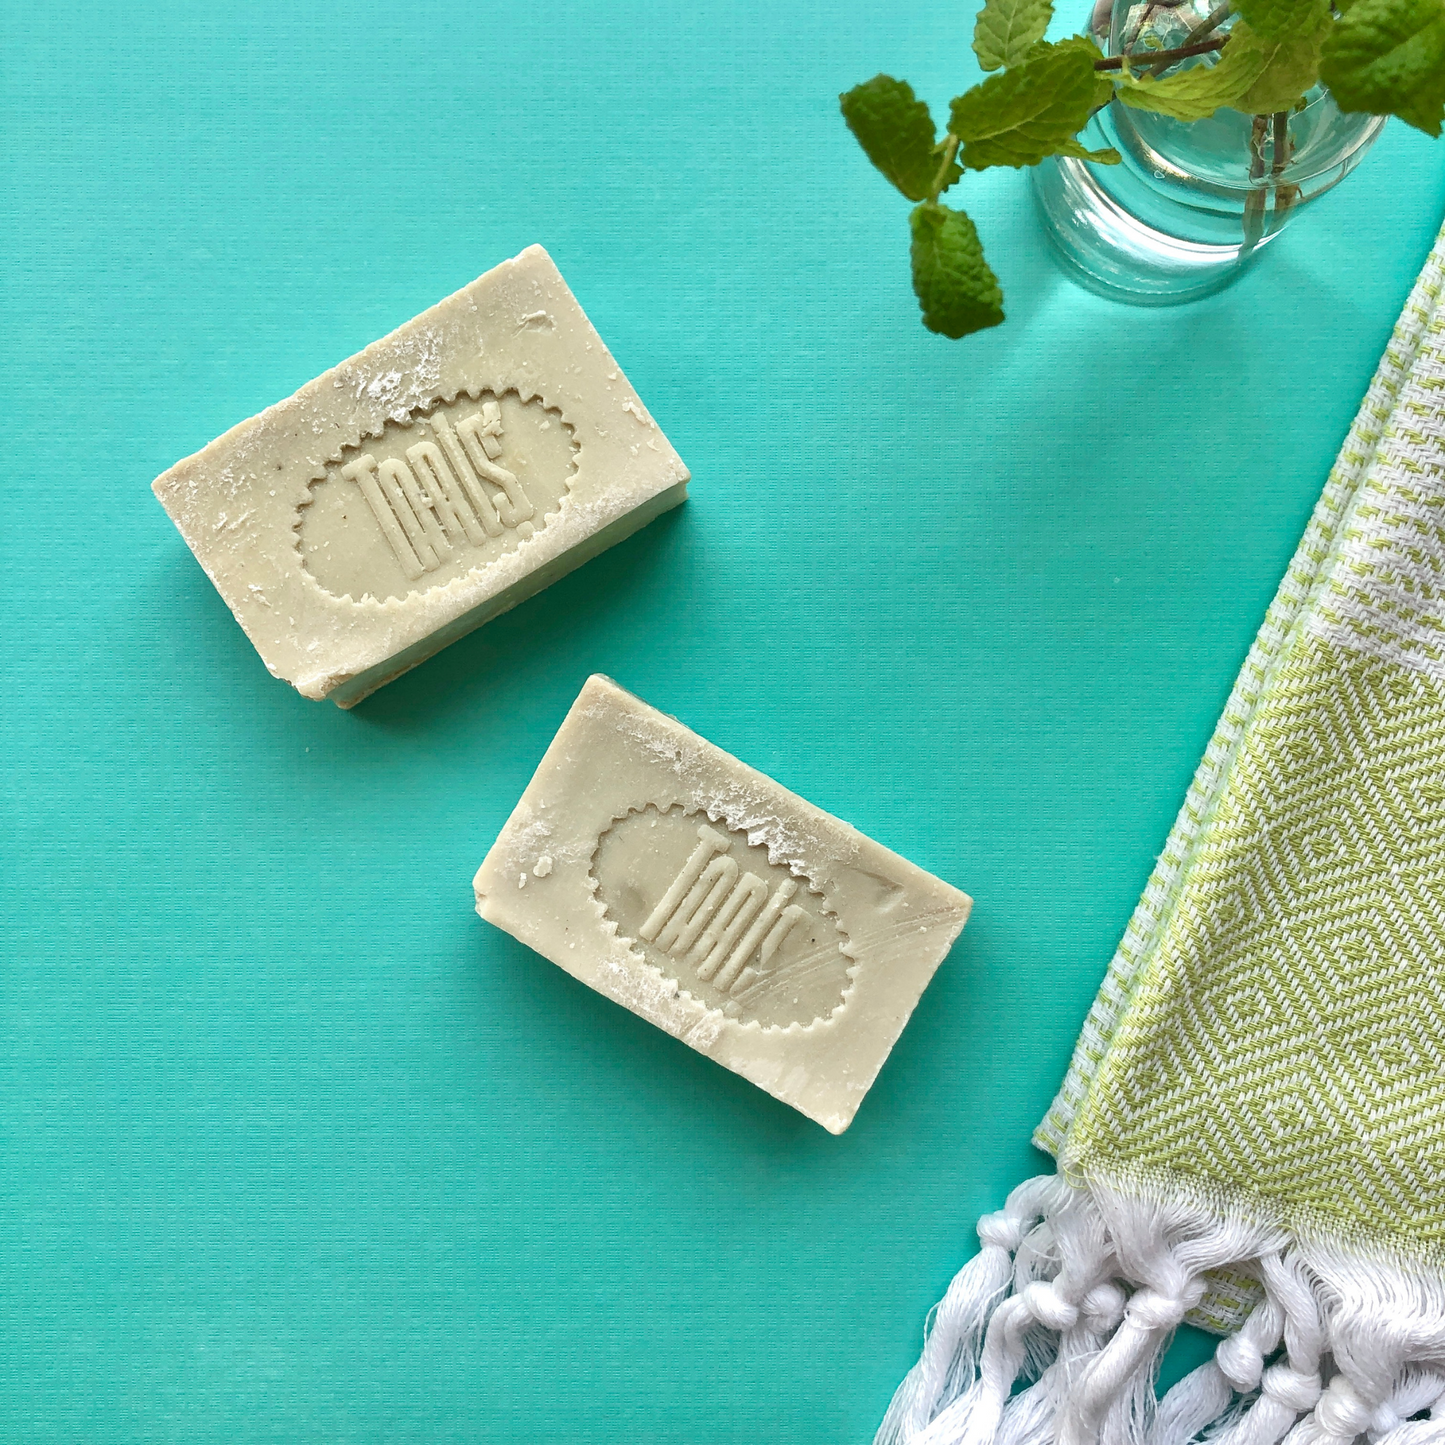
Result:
[[1272, 1029], [1289, 1037]]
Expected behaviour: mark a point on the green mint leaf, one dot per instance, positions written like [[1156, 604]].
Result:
[[1272, 19], [897, 134], [956, 290], [1026, 113], [1106, 157], [1103, 85], [1196, 93], [1291, 63], [1388, 57], [1005, 29]]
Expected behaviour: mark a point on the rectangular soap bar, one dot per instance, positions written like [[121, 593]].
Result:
[[437, 478], [697, 892]]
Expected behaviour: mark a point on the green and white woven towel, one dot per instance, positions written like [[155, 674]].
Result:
[[1252, 1133]]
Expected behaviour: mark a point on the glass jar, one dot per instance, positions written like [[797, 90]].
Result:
[[1191, 204]]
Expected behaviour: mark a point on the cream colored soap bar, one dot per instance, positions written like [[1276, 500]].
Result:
[[432, 481], [702, 895]]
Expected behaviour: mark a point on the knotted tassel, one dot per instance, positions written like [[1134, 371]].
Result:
[[948, 1364]]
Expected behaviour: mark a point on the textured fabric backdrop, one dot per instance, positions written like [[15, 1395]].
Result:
[[292, 1146]]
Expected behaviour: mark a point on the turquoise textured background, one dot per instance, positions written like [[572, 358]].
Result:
[[294, 1147]]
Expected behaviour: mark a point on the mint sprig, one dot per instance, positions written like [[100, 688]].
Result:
[[1385, 57]]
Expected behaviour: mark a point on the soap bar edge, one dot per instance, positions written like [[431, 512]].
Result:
[[358, 688], [364, 639], [735, 1046]]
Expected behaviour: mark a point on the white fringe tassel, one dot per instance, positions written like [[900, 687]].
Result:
[[1076, 1292]]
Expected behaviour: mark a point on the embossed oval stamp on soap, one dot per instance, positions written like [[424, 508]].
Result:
[[712, 911], [449, 490]]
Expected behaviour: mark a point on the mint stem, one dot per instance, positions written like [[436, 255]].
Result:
[[1166, 58], [1205, 28], [1284, 193], [1254, 199], [1280, 158], [950, 149], [1211, 22]]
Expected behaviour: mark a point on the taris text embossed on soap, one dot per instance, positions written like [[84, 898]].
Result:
[[435, 479], [712, 901]]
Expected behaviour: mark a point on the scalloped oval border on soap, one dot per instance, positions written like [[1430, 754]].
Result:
[[526, 397], [790, 866]]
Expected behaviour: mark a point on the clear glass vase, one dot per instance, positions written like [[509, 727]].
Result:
[[1192, 204]]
